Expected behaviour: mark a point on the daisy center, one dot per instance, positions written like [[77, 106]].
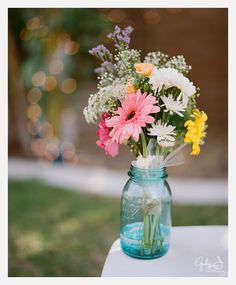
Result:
[[130, 115]]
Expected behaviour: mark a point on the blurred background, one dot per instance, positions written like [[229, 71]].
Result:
[[63, 204]]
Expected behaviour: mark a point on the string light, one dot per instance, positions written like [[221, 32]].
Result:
[[44, 144], [34, 27]]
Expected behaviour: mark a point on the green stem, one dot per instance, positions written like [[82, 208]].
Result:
[[135, 147], [160, 236], [146, 231], [144, 144], [153, 229]]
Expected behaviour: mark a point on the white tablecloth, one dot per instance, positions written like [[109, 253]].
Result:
[[194, 251]]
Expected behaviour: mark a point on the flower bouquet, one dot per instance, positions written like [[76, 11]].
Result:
[[150, 106]]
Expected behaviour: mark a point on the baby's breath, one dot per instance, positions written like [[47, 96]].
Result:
[[107, 99], [158, 58], [178, 62], [125, 61]]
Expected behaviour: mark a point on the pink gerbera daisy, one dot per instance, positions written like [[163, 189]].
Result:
[[105, 142], [133, 114]]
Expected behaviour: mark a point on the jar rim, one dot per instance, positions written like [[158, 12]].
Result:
[[147, 173], [151, 169]]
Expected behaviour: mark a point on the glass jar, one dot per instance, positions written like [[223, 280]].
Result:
[[146, 213]]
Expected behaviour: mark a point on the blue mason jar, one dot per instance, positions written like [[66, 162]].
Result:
[[146, 213]]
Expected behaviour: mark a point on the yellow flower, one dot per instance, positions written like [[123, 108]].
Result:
[[130, 88], [196, 130], [144, 68]]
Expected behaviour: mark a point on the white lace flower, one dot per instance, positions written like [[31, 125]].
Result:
[[170, 77], [104, 100], [165, 134], [173, 106]]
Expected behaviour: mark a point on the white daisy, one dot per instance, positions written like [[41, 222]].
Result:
[[173, 106], [165, 134], [170, 77]]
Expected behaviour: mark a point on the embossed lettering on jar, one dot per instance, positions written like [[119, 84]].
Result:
[[146, 213]]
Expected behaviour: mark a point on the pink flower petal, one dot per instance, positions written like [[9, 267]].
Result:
[[133, 114], [105, 141]]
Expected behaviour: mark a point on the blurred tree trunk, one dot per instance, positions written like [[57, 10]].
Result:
[[19, 140]]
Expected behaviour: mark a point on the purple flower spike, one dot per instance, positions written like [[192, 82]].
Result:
[[128, 30], [106, 66], [102, 53], [117, 29], [121, 37], [100, 70]]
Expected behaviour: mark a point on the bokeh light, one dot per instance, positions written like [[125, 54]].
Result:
[[68, 85], [26, 34], [69, 153], [52, 151], [152, 17], [34, 95], [34, 112], [34, 23], [75, 160], [71, 47], [116, 15], [62, 38], [33, 128], [46, 130], [68, 150], [56, 66], [38, 78], [34, 27], [42, 31], [50, 83], [39, 146]]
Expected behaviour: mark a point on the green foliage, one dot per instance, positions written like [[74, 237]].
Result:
[[190, 215], [142, 83], [177, 121], [53, 232]]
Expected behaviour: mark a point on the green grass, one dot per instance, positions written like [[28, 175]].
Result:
[[54, 232]]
